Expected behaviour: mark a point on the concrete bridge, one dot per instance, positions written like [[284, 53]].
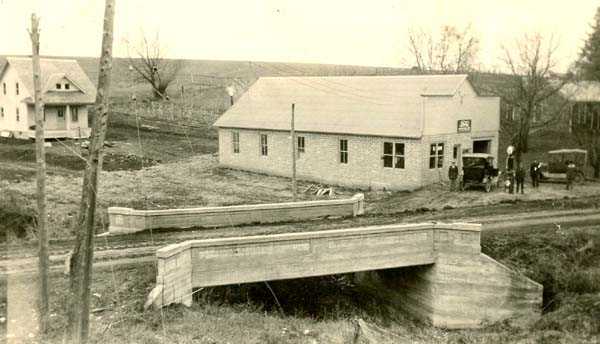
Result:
[[435, 271]]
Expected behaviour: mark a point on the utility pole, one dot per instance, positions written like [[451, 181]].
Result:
[[40, 158], [83, 252], [293, 135]]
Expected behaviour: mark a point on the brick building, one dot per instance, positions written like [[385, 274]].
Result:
[[392, 132]]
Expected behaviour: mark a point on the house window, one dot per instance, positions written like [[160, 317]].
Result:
[[436, 155], [74, 114], [1, 112], [4, 88], [17, 88], [18, 117], [58, 86], [60, 112], [67, 86], [343, 151], [301, 147], [393, 154], [264, 146], [235, 140]]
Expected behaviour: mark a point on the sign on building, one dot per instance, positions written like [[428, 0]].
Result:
[[464, 126]]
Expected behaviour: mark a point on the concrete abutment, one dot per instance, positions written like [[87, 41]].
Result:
[[434, 271]]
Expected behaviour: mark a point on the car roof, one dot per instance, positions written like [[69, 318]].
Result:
[[477, 155], [561, 151]]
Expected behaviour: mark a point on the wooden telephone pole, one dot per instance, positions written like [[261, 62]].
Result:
[[293, 135], [83, 253], [40, 158]]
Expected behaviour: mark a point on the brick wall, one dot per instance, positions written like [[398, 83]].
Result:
[[321, 161]]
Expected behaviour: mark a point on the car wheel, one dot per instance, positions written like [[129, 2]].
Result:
[[578, 178]]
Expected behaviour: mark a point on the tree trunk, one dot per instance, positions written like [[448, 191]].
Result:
[[40, 157], [83, 253]]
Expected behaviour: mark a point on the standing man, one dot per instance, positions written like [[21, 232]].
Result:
[[520, 178], [570, 174], [534, 173], [453, 175]]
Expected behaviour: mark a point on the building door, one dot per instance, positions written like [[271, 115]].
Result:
[[60, 117], [482, 146]]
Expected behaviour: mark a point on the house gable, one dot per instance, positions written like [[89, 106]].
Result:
[[56, 71]]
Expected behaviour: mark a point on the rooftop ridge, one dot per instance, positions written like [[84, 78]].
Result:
[[367, 76]]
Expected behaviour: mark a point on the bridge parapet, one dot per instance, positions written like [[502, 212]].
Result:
[[127, 220], [450, 283]]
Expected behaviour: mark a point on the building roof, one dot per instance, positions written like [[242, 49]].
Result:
[[54, 70], [567, 151], [360, 105], [582, 91]]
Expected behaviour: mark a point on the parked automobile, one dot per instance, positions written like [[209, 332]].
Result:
[[556, 168], [478, 171]]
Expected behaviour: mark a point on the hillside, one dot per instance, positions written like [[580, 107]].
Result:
[[198, 96]]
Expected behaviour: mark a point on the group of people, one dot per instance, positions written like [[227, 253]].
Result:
[[535, 173]]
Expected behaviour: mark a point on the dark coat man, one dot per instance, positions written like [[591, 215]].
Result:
[[453, 175], [534, 173], [520, 178], [571, 171]]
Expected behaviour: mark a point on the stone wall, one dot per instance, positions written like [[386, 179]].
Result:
[[127, 220]]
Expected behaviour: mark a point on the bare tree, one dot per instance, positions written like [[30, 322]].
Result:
[[531, 90], [450, 51], [40, 158], [152, 67], [83, 252]]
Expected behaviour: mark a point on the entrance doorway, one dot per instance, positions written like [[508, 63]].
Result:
[[482, 146]]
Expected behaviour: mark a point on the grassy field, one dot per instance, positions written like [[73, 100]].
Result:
[[324, 310]]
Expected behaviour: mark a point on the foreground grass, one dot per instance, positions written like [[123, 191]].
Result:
[[323, 310]]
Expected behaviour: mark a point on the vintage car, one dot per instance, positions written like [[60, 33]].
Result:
[[556, 168], [478, 171]]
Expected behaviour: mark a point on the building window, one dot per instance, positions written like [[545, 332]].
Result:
[[455, 152], [60, 112], [58, 86], [17, 88], [18, 117], [67, 86], [4, 88], [235, 141], [74, 114], [1, 112], [343, 151], [393, 155], [436, 155], [264, 146], [301, 147]]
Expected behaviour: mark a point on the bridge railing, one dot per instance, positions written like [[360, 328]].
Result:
[[451, 285], [128, 220]]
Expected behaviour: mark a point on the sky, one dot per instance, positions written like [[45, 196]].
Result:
[[358, 32]]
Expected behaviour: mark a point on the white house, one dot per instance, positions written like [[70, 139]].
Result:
[[393, 132], [66, 94]]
